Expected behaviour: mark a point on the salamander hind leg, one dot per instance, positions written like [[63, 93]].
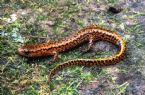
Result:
[[90, 44], [49, 41]]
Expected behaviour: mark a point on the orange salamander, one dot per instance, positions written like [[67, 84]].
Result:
[[91, 34]]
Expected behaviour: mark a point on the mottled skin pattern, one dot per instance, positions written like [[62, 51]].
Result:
[[91, 33]]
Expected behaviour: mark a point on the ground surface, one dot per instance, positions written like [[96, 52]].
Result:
[[37, 21]]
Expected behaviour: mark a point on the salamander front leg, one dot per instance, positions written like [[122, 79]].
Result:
[[55, 57]]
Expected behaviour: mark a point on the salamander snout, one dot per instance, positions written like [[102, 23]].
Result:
[[22, 51]]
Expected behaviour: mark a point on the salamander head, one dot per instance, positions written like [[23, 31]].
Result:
[[23, 51], [36, 50]]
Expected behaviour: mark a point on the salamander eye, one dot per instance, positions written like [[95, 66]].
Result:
[[26, 52]]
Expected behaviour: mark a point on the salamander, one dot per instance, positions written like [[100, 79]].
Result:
[[89, 34]]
